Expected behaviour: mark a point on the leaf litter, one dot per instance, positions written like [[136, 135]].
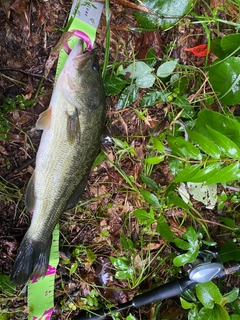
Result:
[[28, 68]]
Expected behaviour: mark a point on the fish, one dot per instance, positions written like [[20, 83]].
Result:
[[72, 128]]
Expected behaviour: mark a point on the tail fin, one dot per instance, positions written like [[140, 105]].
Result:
[[31, 261]]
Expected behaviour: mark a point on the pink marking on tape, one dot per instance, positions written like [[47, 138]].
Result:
[[81, 35], [46, 315], [50, 270]]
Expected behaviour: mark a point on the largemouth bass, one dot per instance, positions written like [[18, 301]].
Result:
[[72, 128]]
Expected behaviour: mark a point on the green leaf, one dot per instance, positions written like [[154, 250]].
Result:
[[164, 13], [150, 198], [183, 148], [230, 43], [166, 69], [227, 126], [146, 81], [164, 229], [154, 160], [127, 97], [120, 263], [205, 144], [149, 182], [216, 313], [232, 295], [73, 268], [208, 294], [229, 173], [137, 69], [186, 305], [6, 286], [188, 173], [114, 84], [143, 216], [206, 173], [125, 274], [182, 244], [227, 146], [225, 78], [234, 317], [152, 98], [229, 251], [177, 201]]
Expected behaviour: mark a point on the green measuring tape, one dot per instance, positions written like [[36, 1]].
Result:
[[84, 18]]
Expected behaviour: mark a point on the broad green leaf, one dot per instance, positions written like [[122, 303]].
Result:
[[229, 173], [120, 263], [227, 126], [192, 238], [164, 13], [193, 313], [152, 98], [114, 84], [186, 305], [166, 69], [230, 43], [225, 78], [182, 244], [182, 259], [229, 251], [125, 274], [154, 160], [130, 317], [205, 144], [150, 198], [216, 313], [208, 294], [227, 146], [164, 229], [146, 81], [143, 216], [232, 295], [137, 69], [127, 97], [206, 172], [183, 148], [188, 173]]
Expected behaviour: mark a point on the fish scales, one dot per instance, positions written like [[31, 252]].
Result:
[[72, 128]]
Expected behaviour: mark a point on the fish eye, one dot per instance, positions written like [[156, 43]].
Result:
[[95, 67]]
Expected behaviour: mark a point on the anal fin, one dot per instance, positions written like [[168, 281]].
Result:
[[30, 198]]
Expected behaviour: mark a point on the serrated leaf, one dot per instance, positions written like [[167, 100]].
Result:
[[228, 147], [187, 174], [205, 144], [206, 172], [164, 229], [227, 126], [208, 294], [150, 198], [166, 69], [229, 173], [165, 13], [225, 78], [183, 148]]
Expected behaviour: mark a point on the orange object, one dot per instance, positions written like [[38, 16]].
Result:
[[199, 51]]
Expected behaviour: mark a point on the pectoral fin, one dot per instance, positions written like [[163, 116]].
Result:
[[30, 194], [73, 126], [74, 199], [44, 120]]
